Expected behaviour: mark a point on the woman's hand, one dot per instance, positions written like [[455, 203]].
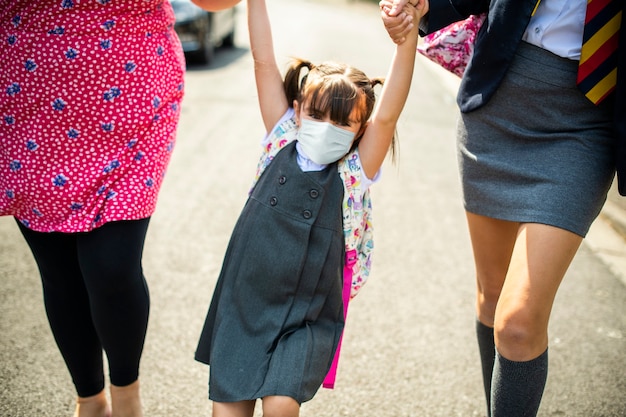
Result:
[[396, 19], [396, 6]]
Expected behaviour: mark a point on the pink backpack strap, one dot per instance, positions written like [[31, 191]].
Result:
[[351, 258]]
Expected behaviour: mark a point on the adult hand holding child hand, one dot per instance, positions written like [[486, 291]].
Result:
[[397, 18]]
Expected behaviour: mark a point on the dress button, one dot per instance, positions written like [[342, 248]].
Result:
[[273, 201], [314, 193], [306, 214], [282, 179]]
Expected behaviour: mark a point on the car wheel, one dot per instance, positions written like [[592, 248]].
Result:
[[229, 40], [207, 50]]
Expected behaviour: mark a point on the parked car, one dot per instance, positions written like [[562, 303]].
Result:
[[201, 32]]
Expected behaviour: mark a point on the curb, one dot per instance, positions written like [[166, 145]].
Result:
[[607, 236], [614, 210], [615, 216], [607, 243]]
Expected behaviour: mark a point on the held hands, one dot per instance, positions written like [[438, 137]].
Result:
[[400, 16]]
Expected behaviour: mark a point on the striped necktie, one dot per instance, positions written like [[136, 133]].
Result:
[[597, 71]]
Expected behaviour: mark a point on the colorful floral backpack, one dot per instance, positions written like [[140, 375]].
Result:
[[453, 46]]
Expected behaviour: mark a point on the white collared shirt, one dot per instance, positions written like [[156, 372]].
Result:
[[557, 26]]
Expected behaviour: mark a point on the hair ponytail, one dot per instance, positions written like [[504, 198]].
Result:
[[294, 80], [376, 81]]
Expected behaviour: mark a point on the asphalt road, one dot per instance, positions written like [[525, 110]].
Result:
[[409, 347]]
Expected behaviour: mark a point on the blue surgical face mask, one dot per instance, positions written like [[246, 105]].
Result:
[[323, 142]]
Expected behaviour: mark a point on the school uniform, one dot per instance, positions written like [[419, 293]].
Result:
[[531, 147], [277, 311]]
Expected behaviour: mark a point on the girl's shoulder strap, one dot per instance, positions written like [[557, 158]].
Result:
[[357, 220], [283, 134]]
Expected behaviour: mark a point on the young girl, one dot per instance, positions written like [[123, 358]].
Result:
[[278, 309]]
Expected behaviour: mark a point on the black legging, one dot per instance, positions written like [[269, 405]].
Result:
[[96, 298]]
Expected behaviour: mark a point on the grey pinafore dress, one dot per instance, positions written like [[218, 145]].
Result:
[[277, 312]]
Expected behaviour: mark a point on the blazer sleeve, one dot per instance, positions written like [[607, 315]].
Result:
[[494, 49]]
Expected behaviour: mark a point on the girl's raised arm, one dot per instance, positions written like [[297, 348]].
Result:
[[269, 82], [381, 128]]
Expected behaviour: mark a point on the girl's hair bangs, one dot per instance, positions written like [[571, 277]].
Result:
[[334, 95]]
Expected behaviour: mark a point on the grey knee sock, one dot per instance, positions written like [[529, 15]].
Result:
[[517, 387], [487, 349]]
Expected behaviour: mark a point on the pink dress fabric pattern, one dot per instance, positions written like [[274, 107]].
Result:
[[90, 94], [452, 47]]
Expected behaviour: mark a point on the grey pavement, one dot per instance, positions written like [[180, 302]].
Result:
[[409, 348]]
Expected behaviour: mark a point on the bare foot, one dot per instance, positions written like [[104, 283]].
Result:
[[126, 401], [94, 406]]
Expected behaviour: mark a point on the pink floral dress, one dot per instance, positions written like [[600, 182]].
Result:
[[90, 94], [452, 46]]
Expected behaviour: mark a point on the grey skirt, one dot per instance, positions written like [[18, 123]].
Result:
[[538, 151]]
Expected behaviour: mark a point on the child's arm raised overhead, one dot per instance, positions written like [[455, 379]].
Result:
[[381, 128], [269, 83]]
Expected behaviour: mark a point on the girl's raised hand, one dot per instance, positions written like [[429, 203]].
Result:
[[398, 19], [398, 25], [396, 6]]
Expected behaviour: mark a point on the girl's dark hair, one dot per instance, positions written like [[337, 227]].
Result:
[[334, 89]]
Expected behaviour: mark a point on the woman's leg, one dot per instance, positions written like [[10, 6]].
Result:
[[537, 263], [280, 406], [93, 406], [235, 409], [110, 260], [126, 400], [540, 259], [69, 315], [492, 242]]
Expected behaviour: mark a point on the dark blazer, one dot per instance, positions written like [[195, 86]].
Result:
[[495, 47]]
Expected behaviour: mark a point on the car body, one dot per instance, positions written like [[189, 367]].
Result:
[[200, 32]]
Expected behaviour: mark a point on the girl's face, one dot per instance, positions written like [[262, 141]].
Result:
[[321, 139], [304, 112]]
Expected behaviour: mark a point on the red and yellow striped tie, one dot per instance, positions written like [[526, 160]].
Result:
[[597, 71]]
